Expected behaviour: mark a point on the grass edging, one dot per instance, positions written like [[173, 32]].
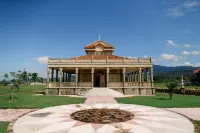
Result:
[[10, 125]]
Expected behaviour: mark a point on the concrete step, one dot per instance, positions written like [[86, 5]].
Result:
[[101, 92]]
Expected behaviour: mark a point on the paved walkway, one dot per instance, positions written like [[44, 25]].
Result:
[[100, 99], [57, 119], [146, 120], [193, 113], [9, 114]]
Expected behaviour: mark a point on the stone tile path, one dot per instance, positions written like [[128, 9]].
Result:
[[146, 120], [9, 114], [57, 119], [100, 99], [193, 113]]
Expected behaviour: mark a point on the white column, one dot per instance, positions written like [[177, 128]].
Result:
[[61, 74], [76, 76], [182, 83], [48, 75], [48, 72], [124, 75], [127, 77], [140, 76], [52, 73], [135, 76], [56, 75], [107, 78], [147, 74], [92, 77], [152, 76]]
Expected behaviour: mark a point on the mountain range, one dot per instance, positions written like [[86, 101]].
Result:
[[186, 71]]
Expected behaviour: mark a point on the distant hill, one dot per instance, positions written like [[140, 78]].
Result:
[[173, 71]]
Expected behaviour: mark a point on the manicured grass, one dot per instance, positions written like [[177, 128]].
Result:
[[26, 98], [3, 127], [162, 101], [198, 122]]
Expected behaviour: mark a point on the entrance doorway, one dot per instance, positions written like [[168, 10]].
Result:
[[99, 80]]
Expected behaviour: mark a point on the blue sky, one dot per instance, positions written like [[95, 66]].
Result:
[[167, 30]]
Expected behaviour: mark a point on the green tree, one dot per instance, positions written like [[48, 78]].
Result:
[[171, 85], [6, 79], [24, 76], [6, 76], [29, 76], [34, 77]]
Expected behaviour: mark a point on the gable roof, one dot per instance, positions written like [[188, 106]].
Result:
[[197, 70], [94, 44]]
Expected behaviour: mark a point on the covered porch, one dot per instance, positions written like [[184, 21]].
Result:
[[82, 77]]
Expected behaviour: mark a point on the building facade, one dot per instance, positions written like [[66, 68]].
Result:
[[196, 78], [99, 68]]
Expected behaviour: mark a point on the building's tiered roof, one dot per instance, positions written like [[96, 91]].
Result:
[[94, 44], [99, 57]]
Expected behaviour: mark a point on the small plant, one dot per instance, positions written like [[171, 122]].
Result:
[[171, 85], [13, 87]]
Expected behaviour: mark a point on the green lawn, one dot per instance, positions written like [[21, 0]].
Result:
[[162, 101], [3, 127], [27, 100], [198, 122]]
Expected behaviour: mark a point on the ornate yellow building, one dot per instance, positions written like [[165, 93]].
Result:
[[100, 68]]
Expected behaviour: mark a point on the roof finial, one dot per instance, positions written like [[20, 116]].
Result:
[[99, 37]]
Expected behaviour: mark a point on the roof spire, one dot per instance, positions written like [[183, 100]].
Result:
[[99, 37]]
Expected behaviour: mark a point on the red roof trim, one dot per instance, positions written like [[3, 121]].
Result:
[[197, 70]]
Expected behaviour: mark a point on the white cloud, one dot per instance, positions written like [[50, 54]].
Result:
[[169, 57], [145, 56], [174, 12], [186, 31], [197, 64], [191, 4], [195, 52], [187, 45], [170, 42], [188, 64], [182, 8], [185, 53], [42, 60]]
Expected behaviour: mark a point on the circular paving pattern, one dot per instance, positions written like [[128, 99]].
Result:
[[146, 120], [102, 116]]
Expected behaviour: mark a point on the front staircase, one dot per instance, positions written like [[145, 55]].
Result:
[[101, 92]]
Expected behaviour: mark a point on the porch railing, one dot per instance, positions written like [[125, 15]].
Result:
[[84, 84], [89, 84], [115, 84]]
